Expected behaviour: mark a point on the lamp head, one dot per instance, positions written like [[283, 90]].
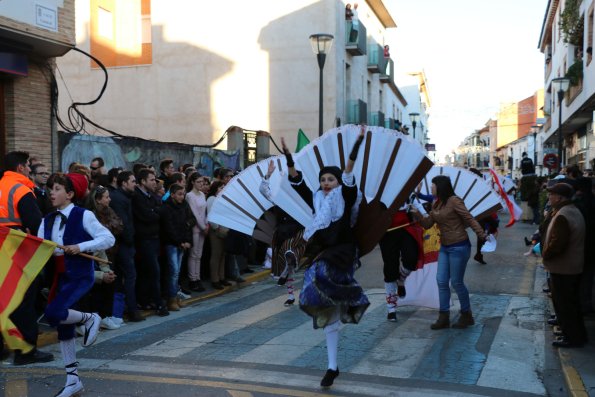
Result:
[[321, 43]]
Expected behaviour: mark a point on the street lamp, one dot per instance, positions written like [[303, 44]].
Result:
[[321, 45], [534, 130], [414, 117], [560, 85]]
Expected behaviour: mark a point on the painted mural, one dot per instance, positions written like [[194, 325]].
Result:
[[125, 152]]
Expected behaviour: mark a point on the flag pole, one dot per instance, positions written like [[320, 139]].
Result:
[[95, 258], [400, 227]]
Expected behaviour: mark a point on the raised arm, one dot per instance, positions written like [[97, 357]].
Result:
[[290, 164], [355, 150]]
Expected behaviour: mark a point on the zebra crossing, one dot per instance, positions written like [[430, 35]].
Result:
[[248, 335]]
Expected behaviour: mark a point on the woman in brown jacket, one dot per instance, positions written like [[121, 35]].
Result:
[[452, 217]]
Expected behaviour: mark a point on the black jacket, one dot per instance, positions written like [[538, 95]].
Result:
[[527, 166], [177, 221], [146, 209], [122, 205], [43, 201]]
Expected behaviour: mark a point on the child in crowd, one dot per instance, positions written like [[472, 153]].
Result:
[[79, 231]]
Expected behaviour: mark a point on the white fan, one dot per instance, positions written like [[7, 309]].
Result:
[[388, 167], [240, 205], [478, 195]]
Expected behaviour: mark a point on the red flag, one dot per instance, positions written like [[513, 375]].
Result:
[[22, 256], [504, 196]]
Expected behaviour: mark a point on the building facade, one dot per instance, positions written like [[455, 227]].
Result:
[[186, 72], [32, 35], [568, 52]]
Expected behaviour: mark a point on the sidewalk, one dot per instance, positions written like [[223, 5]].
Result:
[[578, 365], [49, 335]]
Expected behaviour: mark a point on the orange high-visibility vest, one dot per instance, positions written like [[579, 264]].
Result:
[[11, 192]]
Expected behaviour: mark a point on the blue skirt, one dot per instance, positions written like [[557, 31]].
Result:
[[327, 291]]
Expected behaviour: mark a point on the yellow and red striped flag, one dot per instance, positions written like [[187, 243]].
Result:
[[22, 256]]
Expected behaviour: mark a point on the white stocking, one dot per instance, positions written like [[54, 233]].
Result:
[[332, 344], [391, 296], [75, 317], [68, 348]]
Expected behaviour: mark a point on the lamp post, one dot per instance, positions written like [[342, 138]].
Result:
[[534, 130], [321, 45], [414, 117], [560, 86]]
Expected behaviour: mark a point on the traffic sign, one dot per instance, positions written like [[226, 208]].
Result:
[[550, 161]]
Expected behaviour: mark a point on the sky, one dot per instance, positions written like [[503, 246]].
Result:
[[476, 54]]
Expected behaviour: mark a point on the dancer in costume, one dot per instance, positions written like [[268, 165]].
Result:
[[401, 250], [79, 231], [288, 244], [452, 217], [330, 293]]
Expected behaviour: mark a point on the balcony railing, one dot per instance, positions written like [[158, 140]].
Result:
[[376, 118], [355, 39], [376, 60], [390, 123], [573, 92], [357, 112], [389, 74]]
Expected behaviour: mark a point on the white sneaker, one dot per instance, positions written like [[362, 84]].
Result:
[[71, 389], [182, 295], [91, 329], [118, 321], [108, 323]]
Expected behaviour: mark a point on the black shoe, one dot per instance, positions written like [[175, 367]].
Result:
[[546, 290], [135, 317], [479, 258], [552, 321], [239, 280], [289, 302], [34, 356], [401, 291], [527, 242], [392, 316], [197, 286], [282, 281], [217, 285], [225, 283], [248, 270], [558, 332], [162, 311], [329, 377], [563, 342]]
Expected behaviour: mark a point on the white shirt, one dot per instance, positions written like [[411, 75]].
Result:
[[102, 237]]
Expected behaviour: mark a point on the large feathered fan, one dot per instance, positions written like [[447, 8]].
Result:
[[388, 168], [240, 205], [478, 195]]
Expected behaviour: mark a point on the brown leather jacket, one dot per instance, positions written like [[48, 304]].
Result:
[[563, 246], [452, 219]]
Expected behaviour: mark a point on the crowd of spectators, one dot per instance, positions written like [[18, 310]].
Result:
[[164, 246]]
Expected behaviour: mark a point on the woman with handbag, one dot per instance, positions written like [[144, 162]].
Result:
[[217, 234], [330, 294]]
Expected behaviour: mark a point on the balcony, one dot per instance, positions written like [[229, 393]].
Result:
[[390, 123], [376, 118], [355, 40], [376, 60], [388, 76], [357, 112]]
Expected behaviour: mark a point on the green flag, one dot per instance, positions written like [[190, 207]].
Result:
[[302, 140]]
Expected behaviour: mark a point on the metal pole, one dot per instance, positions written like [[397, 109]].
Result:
[[535, 150], [560, 140], [321, 58]]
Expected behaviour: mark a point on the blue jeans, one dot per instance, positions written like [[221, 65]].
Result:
[[452, 262], [174, 263]]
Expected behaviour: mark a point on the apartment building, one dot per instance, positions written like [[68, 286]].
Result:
[[32, 35], [566, 41], [186, 71]]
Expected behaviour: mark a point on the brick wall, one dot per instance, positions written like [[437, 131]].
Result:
[[66, 28], [28, 113]]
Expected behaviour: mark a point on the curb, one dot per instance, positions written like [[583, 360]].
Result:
[[574, 382], [51, 337]]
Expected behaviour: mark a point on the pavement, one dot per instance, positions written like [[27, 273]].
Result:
[[577, 364]]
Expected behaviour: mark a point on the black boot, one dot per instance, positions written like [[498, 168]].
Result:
[[329, 377]]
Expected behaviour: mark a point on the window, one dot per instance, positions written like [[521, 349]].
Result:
[[121, 32], [589, 49], [105, 23]]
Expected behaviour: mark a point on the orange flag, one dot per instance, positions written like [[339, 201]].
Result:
[[22, 256]]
